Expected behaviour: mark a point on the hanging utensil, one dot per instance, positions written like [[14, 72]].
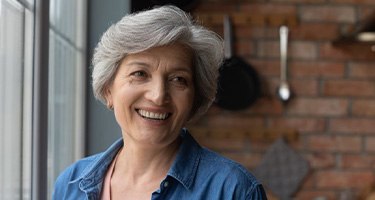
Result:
[[283, 91], [238, 84]]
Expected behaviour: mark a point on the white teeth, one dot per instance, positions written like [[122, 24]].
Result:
[[152, 115]]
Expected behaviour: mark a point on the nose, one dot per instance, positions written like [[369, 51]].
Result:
[[157, 92]]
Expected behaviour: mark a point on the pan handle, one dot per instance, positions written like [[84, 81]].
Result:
[[228, 49]]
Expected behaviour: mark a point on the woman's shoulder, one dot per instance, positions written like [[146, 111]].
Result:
[[75, 170], [223, 172], [218, 163], [91, 163], [214, 166], [72, 174]]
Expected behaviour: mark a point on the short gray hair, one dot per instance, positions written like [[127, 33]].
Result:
[[160, 26]]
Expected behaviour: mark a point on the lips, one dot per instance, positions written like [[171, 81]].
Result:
[[153, 115]]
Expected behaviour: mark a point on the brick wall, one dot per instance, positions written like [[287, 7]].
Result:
[[333, 108]]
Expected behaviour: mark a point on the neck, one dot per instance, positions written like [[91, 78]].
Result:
[[142, 164]]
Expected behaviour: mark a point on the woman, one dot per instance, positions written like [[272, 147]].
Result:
[[157, 71]]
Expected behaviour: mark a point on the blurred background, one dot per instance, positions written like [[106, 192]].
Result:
[[319, 144]]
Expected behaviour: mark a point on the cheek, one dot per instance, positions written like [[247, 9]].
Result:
[[185, 102], [125, 95], [123, 100]]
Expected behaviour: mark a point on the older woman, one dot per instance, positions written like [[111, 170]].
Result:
[[157, 71]]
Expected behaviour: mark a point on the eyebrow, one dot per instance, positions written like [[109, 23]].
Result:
[[138, 63], [145, 64]]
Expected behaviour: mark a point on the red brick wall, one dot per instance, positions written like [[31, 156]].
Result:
[[333, 109]]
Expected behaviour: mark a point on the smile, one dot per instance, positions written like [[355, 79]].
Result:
[[153, 115]]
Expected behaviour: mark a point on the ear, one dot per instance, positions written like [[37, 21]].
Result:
[[108, 98]]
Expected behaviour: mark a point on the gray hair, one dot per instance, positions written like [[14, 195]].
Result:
[[157, 27]]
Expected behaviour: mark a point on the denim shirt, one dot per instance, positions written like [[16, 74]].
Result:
[[196, 174]]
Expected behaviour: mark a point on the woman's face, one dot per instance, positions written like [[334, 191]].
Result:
[[152, 94]]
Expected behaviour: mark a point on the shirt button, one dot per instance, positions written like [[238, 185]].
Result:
[[165, 184]]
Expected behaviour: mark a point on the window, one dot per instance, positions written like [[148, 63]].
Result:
[[66, 92], [67, 69], [16, 33]]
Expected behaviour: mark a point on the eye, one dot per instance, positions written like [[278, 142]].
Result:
[[139, 74], [180, 80]]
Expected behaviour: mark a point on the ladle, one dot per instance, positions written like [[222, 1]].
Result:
[[283, 91]]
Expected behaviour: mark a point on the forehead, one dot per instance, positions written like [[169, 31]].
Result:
[[174, 54]]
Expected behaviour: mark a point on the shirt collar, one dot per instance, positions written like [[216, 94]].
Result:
[[95, 173], [185, 166], [183, 169]]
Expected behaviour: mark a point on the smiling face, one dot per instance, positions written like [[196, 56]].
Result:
[[152, 94]]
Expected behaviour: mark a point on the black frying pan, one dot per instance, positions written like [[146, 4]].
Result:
[[238, 84]]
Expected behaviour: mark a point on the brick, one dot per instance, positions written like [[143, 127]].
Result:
[[243, 48], [300, 124], [270, 194], [332, 179], [308, 183], [268, 49], [267, 8], [316, 69], [328, 13], [370, 144], [260, 146], [352, 126], [304, 87], [296, 50], [265, 105], [213, 27], [333, 107], [357, 161], [249, 160], [321, 160], [308, 31], [266, 67], [256, 32], [324, 143], [353, 52], [362, 70], [210, 6], [234, 120], [316, 194], [318, 107], [350, 88], [302, 50], [222, 145], [364, 108], [365, 12], [299, 88], [355, 2], [300, 1]]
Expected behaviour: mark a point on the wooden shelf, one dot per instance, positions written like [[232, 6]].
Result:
[[246, 19]]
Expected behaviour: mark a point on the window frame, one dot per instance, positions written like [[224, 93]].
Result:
[[28, 148]]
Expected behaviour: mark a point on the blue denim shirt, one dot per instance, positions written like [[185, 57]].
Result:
[[196, 174]]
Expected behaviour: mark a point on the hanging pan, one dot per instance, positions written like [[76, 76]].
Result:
[[238, 84]]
